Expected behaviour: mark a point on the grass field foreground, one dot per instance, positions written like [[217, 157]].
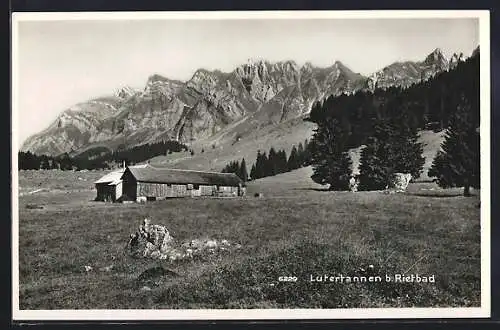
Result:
[[294, 230]]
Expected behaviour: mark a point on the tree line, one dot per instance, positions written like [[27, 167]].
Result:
[[386, 123], [426, 105], [99, 157], [238, 169], [271, 163]]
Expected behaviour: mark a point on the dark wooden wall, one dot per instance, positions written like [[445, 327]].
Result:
[[105, 192]]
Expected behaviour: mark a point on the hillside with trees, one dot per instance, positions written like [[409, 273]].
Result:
[[99, 158], [271, 163], [386, 122], [427, 105]]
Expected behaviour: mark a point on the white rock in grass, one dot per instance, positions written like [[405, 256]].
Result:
[[88, 268], [196, 244], [106, 269], [211, 244]]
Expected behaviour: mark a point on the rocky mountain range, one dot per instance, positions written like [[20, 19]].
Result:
[[211, 101]]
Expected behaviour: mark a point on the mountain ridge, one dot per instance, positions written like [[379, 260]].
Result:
[[260, 91]]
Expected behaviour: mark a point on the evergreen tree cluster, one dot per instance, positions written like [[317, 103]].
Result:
[[457, 164], [387, 121], [30, 161], [271, 163], [238, 169], [427, 105], [98, 158], [276, 162], [331, 162], [393, 148]]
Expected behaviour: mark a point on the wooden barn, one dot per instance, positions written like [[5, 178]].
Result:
[[146, 182], [109, 187]]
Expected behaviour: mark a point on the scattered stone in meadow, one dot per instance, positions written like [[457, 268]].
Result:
[[211, 244], [155, 242], [399, 182], [106, 269], [353, 184], [88, 268]]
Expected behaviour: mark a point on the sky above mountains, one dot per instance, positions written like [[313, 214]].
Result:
[[61, 63]]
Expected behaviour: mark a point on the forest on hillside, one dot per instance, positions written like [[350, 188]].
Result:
[[426, 105], [387, 122], [99, 158]]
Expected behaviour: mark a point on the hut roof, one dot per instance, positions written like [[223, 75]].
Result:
[[111, 177], [176, 176], [115, 177]]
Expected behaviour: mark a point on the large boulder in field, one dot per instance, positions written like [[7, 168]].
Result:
[[353, 184], [399, 181], [151, 241], [155, 242]]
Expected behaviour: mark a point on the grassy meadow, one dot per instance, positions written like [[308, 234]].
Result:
[[295, 229]]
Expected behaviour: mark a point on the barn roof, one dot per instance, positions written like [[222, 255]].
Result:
[[115, 177], [111, 177], [176, 176]]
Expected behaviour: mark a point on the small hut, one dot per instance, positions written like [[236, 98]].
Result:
[[109, 187]]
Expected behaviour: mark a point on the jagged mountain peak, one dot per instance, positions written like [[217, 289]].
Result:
[[338, 65], [257, 61], [124, 92], [436, 57], [475, 52], [157, 78], [307, 65], [437, 51], [455, 59]]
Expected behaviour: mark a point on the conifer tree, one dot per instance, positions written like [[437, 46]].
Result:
[[252, 173], [458, 163], [331, 162], [282, 162], [272, 163], [300, 155], [243, 171], [406, 151], [393, 148], [261, 165], [306, 156], [293, 161]]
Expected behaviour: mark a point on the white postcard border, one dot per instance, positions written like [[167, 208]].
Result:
[[267, 314]]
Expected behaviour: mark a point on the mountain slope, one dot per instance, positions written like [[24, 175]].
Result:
[[407, 73], [253, 96]]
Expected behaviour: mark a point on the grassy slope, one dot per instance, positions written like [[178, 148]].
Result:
[[254, 138], [295, 229], [227, 148]]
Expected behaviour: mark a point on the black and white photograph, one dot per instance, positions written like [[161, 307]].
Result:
[[251, 165]]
